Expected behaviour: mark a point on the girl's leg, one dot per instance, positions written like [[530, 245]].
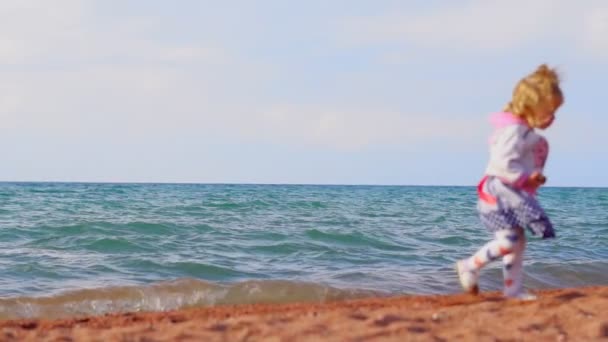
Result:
[[513, 268], [504, 243]]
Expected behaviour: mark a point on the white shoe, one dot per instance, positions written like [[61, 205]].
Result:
[[468, 279], [525, 296]]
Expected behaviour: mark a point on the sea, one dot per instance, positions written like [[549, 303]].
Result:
[[75, 249]]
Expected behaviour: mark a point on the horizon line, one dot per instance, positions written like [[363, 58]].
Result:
[[272, 184]]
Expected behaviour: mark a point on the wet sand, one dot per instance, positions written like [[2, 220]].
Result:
[[579, 314]]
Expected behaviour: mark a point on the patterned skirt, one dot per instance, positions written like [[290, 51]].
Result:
[[501, 206]]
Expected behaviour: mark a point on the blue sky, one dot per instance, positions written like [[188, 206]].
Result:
[[325, 92]]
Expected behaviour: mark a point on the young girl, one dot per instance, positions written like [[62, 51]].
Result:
[[507, 193]]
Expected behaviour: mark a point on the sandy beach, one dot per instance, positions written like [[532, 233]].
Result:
[[558, 315]]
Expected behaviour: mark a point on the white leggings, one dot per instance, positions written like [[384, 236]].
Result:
[[510, 245]]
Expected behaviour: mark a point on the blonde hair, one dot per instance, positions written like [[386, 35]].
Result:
[[539, 88]]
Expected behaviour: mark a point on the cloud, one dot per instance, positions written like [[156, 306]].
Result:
[[29, 29], [75, 77], [68, 32], [345, 128], [485, 26], [125, 100], [72, 75], [596, 32]]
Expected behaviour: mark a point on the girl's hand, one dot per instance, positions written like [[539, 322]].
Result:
[[535, 180]]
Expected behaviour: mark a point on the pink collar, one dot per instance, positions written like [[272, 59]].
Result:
[[503, 119]]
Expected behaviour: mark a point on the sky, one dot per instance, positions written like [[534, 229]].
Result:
[[312, 92]]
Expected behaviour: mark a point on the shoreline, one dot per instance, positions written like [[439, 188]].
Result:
[[557, 315]]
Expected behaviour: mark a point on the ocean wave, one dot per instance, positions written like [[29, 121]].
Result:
[[172, 295]]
